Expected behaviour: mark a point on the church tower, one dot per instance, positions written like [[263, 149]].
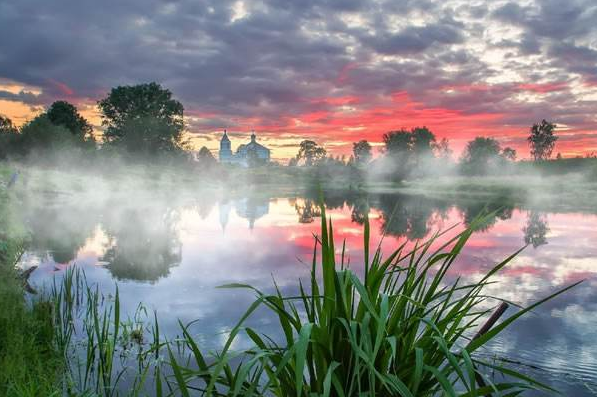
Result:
[[225, 149]]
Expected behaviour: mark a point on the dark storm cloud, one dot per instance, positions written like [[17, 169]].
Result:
[[276, 59], [26, 97]]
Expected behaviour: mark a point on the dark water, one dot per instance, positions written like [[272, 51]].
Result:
[[171, 254]]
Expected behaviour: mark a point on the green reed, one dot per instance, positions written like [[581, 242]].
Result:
[[403, 329]]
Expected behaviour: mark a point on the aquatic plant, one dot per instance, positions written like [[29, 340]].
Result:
[[403, 329]]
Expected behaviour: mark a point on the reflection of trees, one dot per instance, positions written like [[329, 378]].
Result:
[[144, 243], [409, 216], [204, 204], [500, 208], [536, 229], [307, 210], [60, 231], [360, 210]]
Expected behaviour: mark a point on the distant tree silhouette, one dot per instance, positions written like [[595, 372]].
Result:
[[480, 155], [66, 115], [509, 154], [442, 150], [361, 151], [205, 157], [407, 149], [311, 152], [542, 140], [143, 118], [422, 142]]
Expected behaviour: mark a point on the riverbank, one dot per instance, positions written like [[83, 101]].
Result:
[[29, 361]]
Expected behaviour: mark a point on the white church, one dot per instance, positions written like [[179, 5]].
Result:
[[245, 153]]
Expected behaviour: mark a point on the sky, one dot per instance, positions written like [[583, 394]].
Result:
[[335, 71]]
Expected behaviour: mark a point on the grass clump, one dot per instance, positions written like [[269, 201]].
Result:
[[401, 330]]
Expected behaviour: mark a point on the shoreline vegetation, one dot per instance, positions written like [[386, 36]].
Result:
[[401, 329]]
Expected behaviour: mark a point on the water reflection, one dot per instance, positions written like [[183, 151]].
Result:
[[536, 229], [171, 254], [143, 243]]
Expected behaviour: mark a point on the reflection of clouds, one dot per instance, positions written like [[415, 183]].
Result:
[[559, 336]]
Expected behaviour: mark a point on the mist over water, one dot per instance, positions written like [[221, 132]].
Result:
[[170, 248]]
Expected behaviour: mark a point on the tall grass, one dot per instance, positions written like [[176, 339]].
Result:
[[401, 330]]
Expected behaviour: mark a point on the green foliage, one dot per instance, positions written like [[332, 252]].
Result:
[[41, 135], [66, 115], [408, 150], [542, 140], [143, 119], [480, 156], [311, 153]]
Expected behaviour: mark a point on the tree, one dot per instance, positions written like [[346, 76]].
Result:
[[310, 152], [422, 142], [442, 150], [361, 151], [408, 149], [509, 154], [42, 135], [542, 140], [480, 154], [205, 157], [144, 118], [65, 114], [8, 135]]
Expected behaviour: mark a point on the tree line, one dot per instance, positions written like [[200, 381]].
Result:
[[141, 120], [145, 121], [405, 152]]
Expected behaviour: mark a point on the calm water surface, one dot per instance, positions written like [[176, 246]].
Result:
[[171, 254]]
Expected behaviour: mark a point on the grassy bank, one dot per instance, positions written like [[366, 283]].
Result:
[[30, 364]]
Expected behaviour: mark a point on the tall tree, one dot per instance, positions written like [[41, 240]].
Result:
[[144, 117], [311, 152], [361, 151], [542, 140], [65, 114]]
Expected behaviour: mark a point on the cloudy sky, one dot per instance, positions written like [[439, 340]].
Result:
[[335, 71]]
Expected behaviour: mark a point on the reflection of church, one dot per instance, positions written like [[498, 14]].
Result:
[[245, 153], [250, 208]]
